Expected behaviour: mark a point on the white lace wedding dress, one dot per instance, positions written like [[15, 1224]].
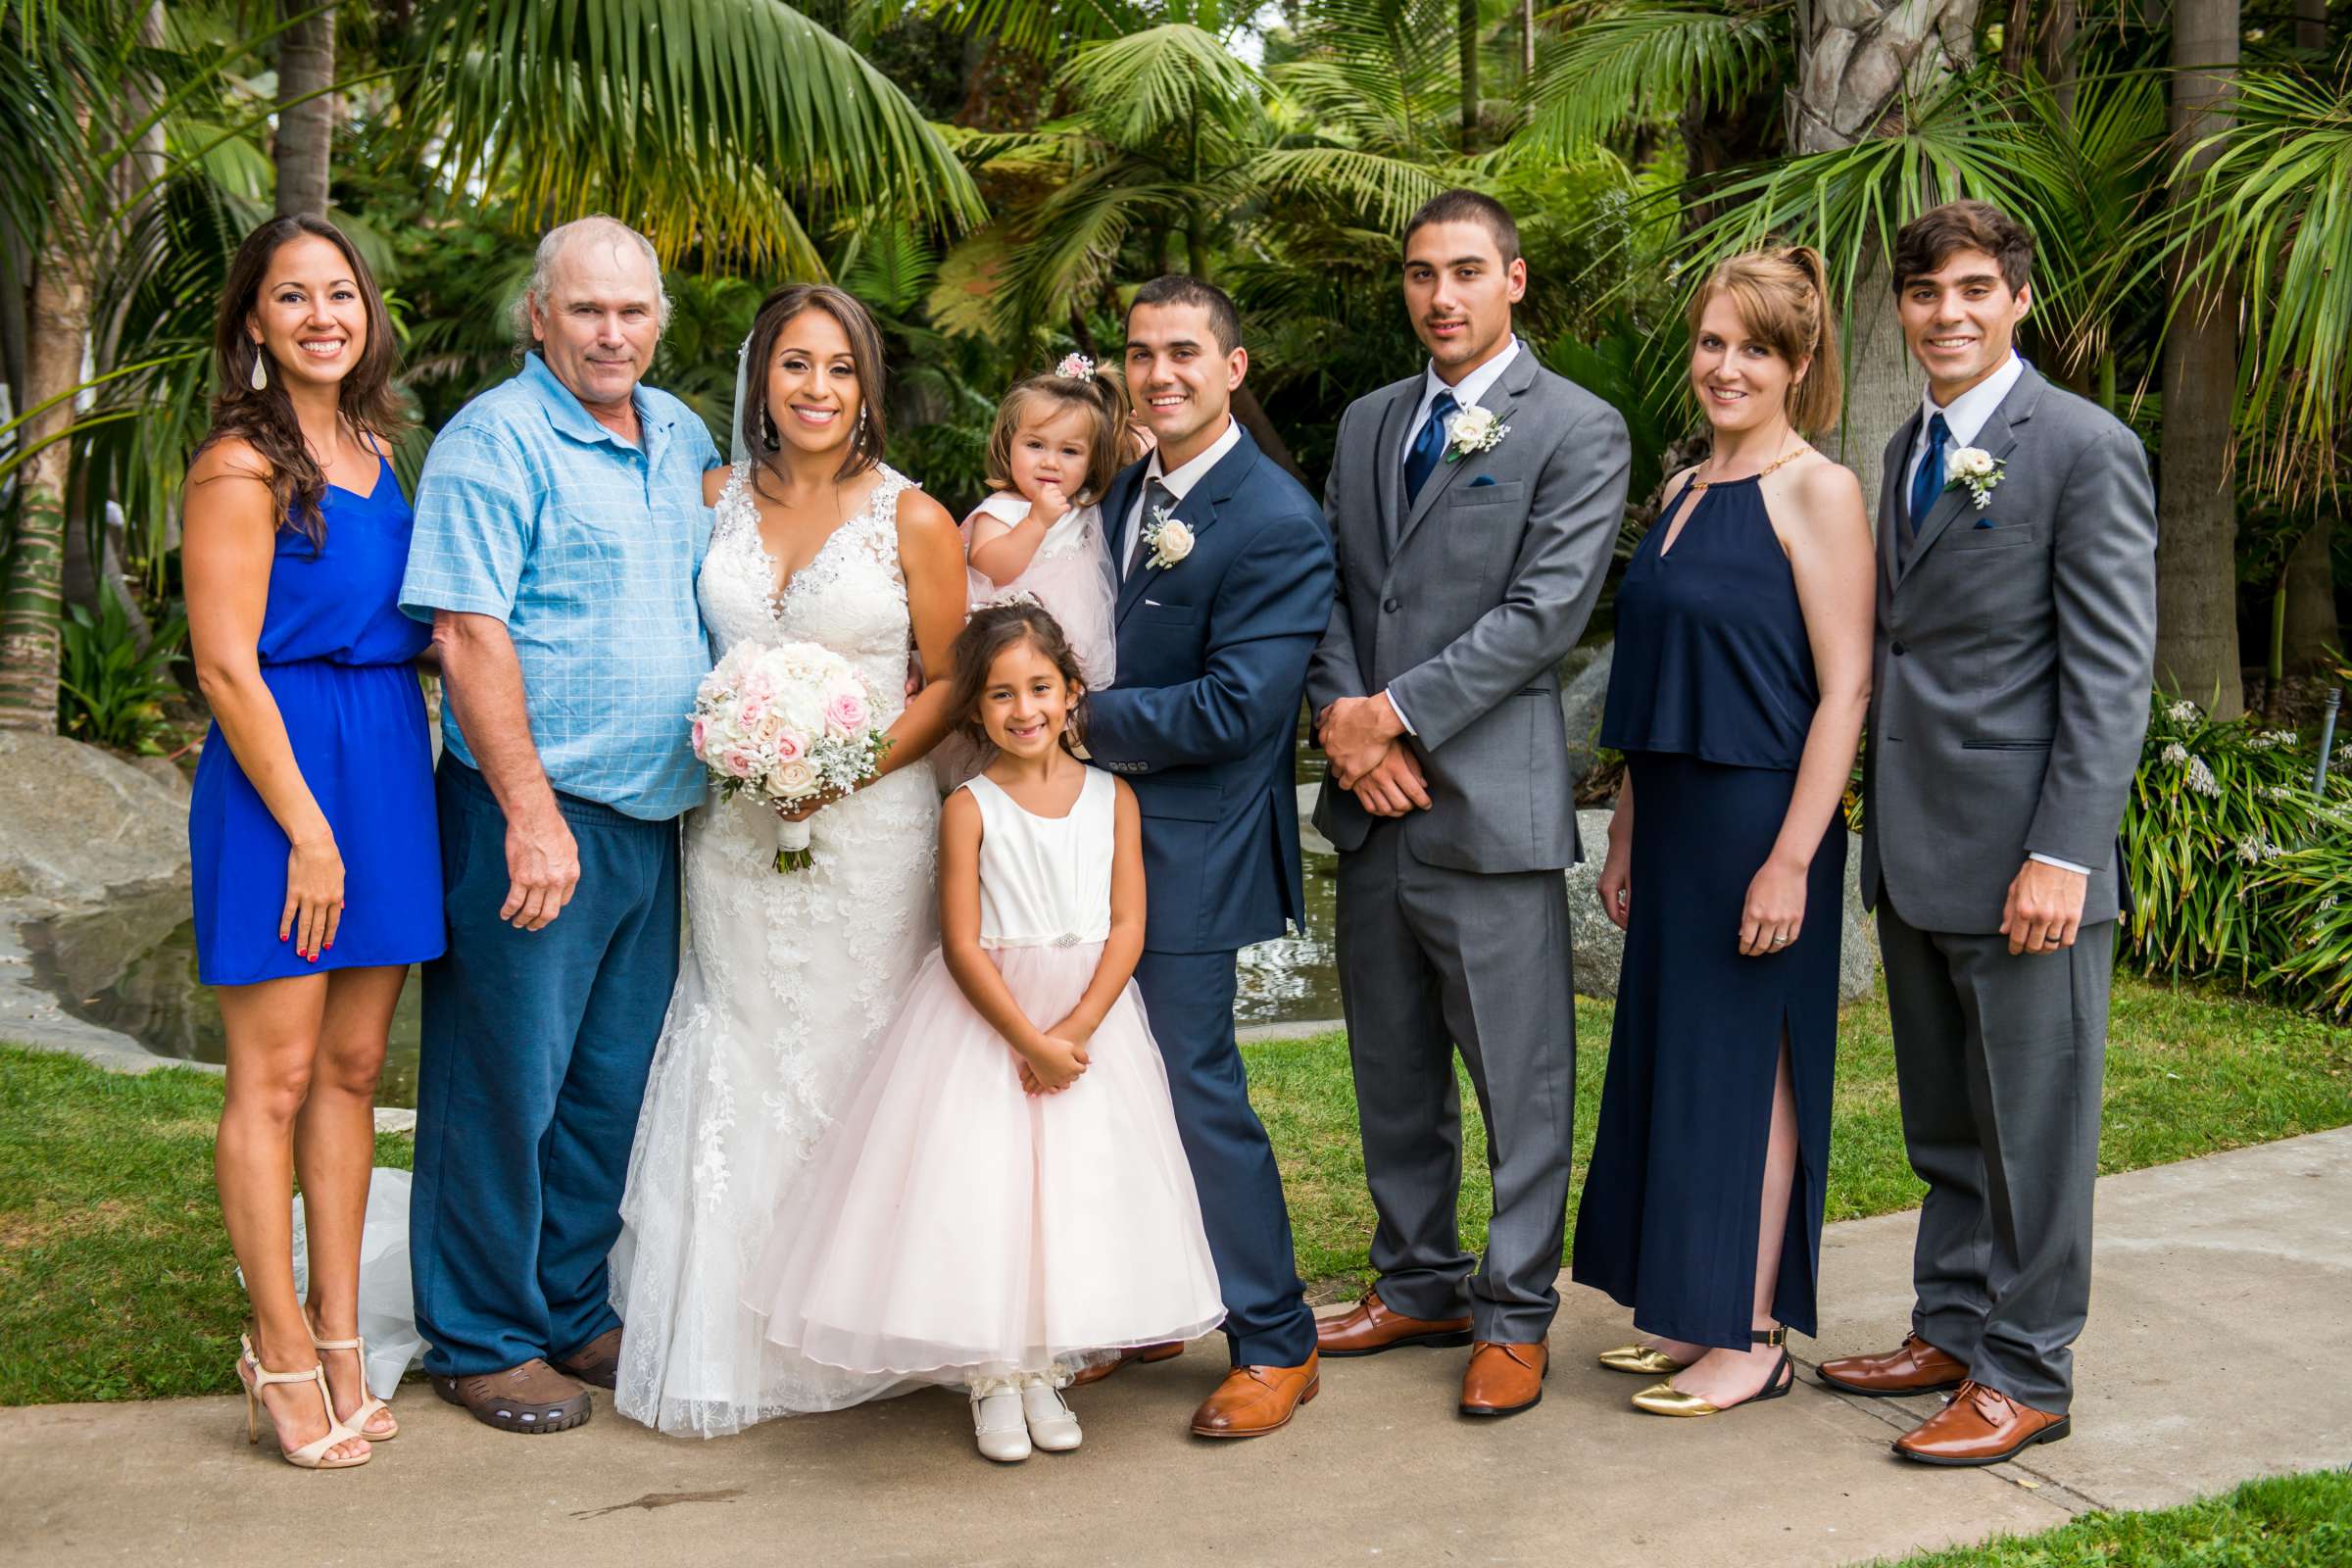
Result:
[[788, 982]]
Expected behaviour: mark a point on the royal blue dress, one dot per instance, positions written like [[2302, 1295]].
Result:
[[1710, 698], [340, 658]]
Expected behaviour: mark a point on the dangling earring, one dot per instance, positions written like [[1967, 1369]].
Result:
[[768, 430], [859, 433], [260, 378]]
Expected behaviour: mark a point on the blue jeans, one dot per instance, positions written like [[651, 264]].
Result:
[[535, 1051]]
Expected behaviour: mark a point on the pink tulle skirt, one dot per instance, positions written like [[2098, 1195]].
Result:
[[952, 1227]]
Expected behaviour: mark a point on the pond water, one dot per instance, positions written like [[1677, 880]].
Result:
[[154, 995]]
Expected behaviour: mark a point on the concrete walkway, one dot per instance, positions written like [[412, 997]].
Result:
[[2214, 1353]]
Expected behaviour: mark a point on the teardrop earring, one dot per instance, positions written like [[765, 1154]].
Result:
[[260, 378]]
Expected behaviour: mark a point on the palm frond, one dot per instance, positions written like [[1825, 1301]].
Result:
[[1613, 63], [674, 103], [1382, 191], [1169, 79]]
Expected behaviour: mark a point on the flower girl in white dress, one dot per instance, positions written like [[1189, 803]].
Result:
[[1006, 1190]]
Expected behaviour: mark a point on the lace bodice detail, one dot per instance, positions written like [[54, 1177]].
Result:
[[851, 597]]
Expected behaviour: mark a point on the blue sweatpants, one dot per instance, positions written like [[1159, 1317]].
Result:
[[535, 1051]]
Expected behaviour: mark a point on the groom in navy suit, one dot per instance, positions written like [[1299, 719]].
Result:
[[1225, 585]]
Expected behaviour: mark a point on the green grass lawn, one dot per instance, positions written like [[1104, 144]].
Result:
[[116, 1281], [2278, 1522]]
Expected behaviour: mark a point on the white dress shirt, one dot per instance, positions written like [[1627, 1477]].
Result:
[[1466, 393], [1179, 484], [1965, 418]]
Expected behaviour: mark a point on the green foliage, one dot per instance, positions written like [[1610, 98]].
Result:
[[2224, 844], [1611, 63], [110, 687]]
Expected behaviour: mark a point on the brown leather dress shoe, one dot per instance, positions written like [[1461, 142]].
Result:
[[1146, 1354], [1369, 1328], [531, 1398], [1505, 1379], [1981, 1426], [1913, 1367], [1254, 1400], [596, 1363]]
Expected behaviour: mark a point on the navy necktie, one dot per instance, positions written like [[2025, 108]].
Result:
[[1157, 497], [1928, 483], [1428, 446]]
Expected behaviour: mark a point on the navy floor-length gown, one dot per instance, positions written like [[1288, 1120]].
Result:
[[1710, 698], [340, 660]]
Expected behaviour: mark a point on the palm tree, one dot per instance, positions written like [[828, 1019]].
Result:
[[2196, 583], [306, 119]]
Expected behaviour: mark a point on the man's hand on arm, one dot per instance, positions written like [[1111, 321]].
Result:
[[2044, 908], [1393, 785], [1357, 734]]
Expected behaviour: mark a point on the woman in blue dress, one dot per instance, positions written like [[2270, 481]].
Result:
[[312, 833], [1740, 676]]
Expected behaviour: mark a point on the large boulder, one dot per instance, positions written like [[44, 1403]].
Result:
[[1581, 702], [83, 828], [1600, 945]]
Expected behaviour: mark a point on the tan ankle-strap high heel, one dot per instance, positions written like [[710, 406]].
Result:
[[311, 1455], [370, 1404]]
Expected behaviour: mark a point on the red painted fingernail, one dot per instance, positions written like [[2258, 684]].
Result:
[[329, 947]]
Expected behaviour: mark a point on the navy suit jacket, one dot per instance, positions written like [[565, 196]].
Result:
[[1212, 656]]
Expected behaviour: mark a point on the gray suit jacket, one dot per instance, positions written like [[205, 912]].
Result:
[[2015, 649], [1463, 603]]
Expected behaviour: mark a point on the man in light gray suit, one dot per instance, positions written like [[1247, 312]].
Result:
[[2017, 629], [1474, 507]]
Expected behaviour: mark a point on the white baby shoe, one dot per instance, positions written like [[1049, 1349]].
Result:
[[999, 1427], [1052, 1426]]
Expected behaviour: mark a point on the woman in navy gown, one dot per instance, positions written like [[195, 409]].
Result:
[[1740, 676], [312, 833]]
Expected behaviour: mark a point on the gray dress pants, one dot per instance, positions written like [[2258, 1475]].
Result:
[[1999, 1060], [1431, 960]]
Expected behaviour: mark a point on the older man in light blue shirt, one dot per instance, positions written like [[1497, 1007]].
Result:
[[559, 522]]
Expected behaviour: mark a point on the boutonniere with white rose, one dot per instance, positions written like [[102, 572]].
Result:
[[1473, 429], [1166, 538], [1979, 471]]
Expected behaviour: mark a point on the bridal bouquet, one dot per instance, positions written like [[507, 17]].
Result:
[[788, 723]]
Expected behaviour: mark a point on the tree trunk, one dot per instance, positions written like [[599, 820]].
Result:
[[2196, 506], [59, 324], [306, 129], [1467, 27], [2311, 624], [1526, 36], [2310, 25], [1851, 83]]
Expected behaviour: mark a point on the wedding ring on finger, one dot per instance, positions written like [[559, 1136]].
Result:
[[1780, 941]]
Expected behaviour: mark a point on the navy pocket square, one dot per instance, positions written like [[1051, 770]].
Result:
[[1984, 522], [1484, 478]]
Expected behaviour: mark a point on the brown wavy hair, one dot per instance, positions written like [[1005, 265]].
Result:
[[866, 362], [994, 629], [366, 400], [1103, 397], [1781, 296]]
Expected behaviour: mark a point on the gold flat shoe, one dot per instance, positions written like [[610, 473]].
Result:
[[1646, 1360], [1664, 1399]]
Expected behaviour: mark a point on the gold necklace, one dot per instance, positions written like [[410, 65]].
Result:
[[1764, 471]]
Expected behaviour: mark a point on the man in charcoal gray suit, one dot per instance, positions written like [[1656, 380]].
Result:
[[1474, 507], [2016, 626]]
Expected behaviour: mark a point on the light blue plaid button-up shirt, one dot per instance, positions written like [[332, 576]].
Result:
[[587, 548]]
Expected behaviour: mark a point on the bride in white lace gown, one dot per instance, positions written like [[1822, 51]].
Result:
[[789, 978]]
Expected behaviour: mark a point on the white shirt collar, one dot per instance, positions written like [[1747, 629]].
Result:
[[1180, 483], [1470, 389], [1966, 415]]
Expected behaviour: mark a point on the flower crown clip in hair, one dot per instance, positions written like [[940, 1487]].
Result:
[[1075, 367]]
